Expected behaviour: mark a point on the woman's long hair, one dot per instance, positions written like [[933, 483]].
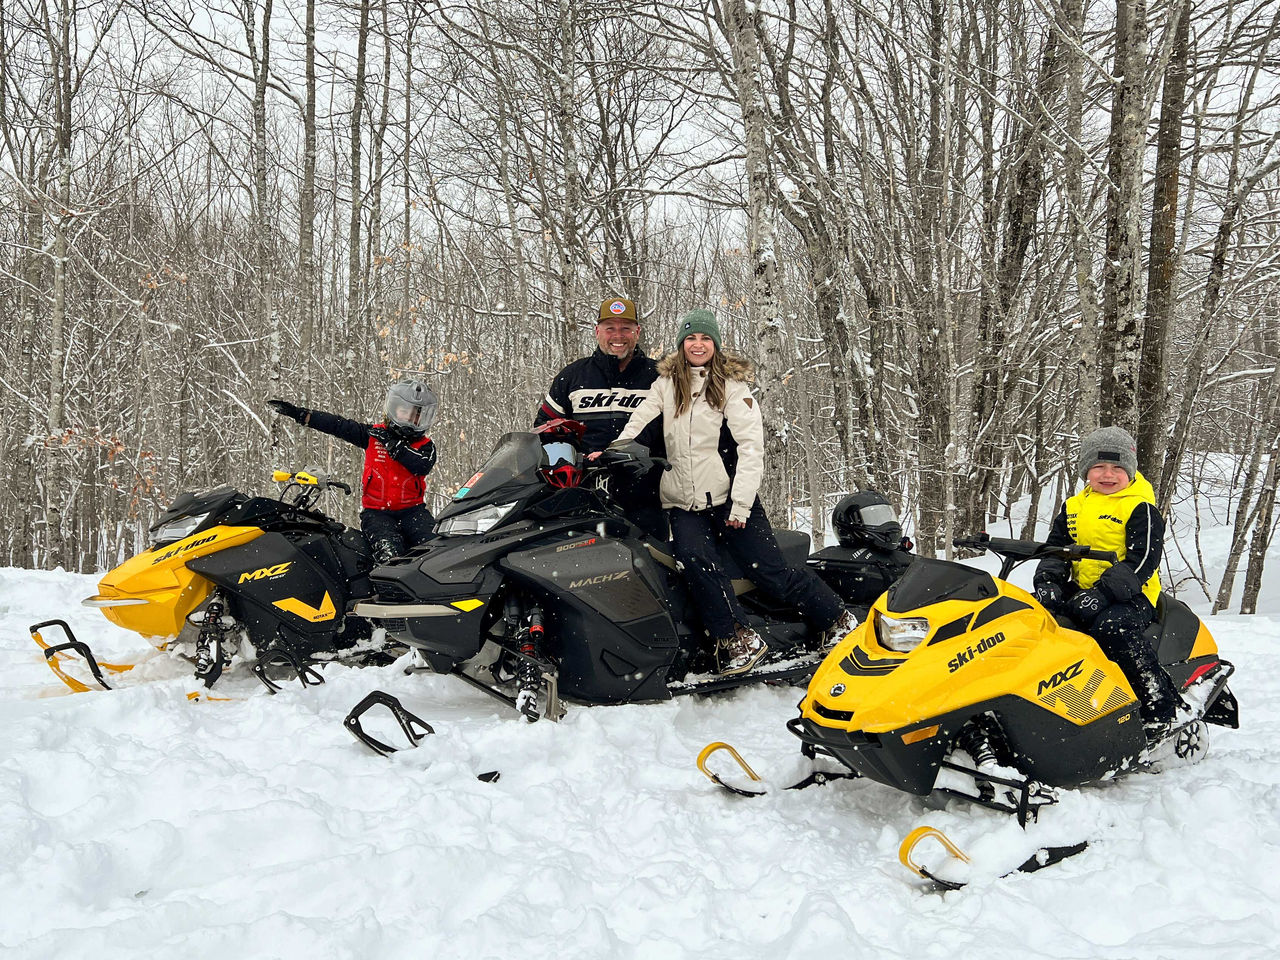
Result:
[[682, 378]]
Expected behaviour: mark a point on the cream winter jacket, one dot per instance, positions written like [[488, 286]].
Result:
[[697, 478]]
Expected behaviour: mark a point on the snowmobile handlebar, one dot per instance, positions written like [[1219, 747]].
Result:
[[630, 456], [1014, 552]]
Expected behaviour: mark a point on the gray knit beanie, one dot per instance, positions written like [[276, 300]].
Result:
[[698, 321], [1109, 445]]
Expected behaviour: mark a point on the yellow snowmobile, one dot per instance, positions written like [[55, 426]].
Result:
[[962, 682], [230, 574]]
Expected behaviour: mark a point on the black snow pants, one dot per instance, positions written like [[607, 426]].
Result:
[[697, 537], [391, 532]]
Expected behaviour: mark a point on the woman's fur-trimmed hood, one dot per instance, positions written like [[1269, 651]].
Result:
[[735, 367]]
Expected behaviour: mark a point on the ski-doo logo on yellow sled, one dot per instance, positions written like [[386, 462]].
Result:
[[966, 656], [169, 554], [265, 573]]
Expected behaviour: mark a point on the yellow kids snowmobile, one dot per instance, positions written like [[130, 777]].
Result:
[[962, 683], [227, 574]]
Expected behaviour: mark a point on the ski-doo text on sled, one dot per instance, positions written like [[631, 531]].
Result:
[[538, 588], [229, 574], [961, 682]]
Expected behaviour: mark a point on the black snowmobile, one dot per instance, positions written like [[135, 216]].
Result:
[[228, 573], [537, 587]]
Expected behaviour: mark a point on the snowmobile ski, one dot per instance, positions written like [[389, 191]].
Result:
[[788, 671], [755, 785], [56, 654], [545, 673], [1044, 857], [414, 728], [302, 672]]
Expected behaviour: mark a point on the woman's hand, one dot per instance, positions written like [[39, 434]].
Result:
[[736, 524], [594, 456]]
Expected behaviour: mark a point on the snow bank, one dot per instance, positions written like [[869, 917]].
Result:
[[137, 824]]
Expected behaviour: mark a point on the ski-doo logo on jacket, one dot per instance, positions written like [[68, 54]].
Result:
[[618, 398]]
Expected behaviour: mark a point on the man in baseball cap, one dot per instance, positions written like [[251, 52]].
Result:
[[601, 390]]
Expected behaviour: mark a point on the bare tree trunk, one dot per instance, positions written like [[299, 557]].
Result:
[[1123, 336], [355, 295], [1262, 531], [763, 308], [307, 214], [1152, 386]]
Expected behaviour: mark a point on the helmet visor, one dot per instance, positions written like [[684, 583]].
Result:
[[874, 514], [559, 453], [411, 406]]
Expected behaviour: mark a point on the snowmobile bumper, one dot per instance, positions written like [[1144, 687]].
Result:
[[905, 759]]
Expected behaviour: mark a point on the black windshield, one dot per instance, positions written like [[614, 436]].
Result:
[[516, 457]]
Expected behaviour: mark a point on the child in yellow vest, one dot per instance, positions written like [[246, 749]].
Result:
[[1114, 602]]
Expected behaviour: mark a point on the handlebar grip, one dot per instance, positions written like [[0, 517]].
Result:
[[341, 486]]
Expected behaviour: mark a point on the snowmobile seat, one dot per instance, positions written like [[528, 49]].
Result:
[[1174, 631]]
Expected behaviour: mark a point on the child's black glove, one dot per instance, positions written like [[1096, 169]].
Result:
[[389, 439], [1120, 583], [287, 409], [1085, 606], [1051, 595]]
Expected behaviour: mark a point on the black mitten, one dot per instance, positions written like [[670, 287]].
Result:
[[1085, 606], [1050, 595], [1120, 583], [287, 409]]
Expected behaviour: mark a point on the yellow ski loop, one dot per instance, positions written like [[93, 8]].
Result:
[[923, 833], [716, 746]]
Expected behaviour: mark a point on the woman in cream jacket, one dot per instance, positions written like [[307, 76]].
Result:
[[715, 444]]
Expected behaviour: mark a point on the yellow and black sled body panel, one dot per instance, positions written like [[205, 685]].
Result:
[[154, 592], [988, 647]]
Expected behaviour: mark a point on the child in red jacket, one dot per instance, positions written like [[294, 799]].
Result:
[[398, 455]]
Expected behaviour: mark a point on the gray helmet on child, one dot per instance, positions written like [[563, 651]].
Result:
[[865, 519], [411, 407]]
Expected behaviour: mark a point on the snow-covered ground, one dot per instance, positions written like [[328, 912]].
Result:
[[135, 823]]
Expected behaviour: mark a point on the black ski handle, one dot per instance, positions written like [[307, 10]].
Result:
[[305, 673], [75, 646], [409, 723]]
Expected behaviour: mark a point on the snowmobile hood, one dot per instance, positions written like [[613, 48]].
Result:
[[976, 649], [161, 577]]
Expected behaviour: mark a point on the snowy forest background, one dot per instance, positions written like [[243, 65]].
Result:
[[952, 234]]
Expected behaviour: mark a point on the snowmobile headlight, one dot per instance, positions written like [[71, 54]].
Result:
[[176, 530], [479, 520], [903, 635]]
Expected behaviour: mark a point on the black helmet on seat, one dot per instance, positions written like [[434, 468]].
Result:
[[865, 519]]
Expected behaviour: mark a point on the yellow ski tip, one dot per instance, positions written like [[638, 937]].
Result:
[[913, 838]]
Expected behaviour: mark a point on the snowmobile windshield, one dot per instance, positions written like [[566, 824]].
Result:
[[514, 462]]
